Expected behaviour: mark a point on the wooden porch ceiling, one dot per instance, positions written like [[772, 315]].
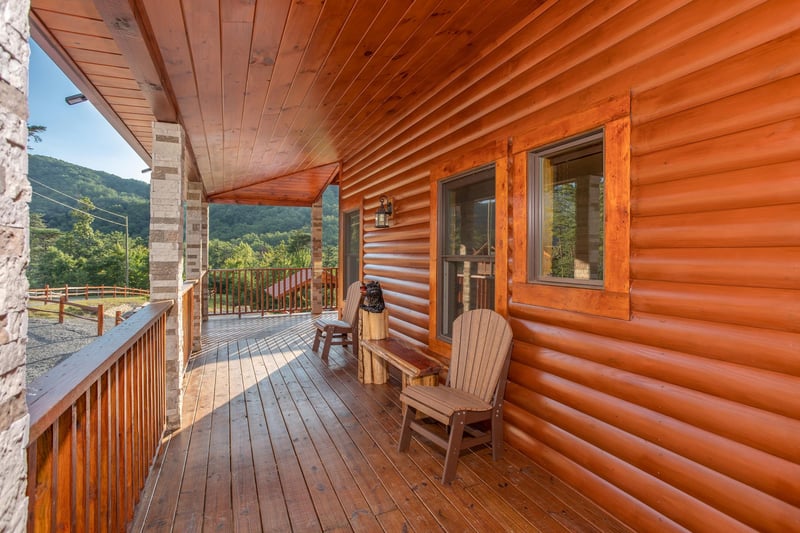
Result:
[[268, 91], [274, 439]]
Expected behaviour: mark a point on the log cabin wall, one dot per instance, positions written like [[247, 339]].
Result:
[[685, 413]]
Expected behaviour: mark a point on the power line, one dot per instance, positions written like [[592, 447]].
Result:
[[125, 225], [71, 197], [81, 210]]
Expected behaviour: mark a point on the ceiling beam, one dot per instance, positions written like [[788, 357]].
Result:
[[126, 29]]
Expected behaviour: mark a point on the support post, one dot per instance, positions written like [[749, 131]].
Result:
[[204, 259], [316, 257], [15, 193], [167, 193], [194, 254], [100, 311]]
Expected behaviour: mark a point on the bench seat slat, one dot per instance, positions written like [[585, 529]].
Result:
[[411, 360]]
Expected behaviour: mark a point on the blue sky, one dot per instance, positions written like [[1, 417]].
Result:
[[75, 133]]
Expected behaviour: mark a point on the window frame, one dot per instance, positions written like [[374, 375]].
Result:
[[496, 153], [346, 217], [612, 300], [536, 220], [465, 179]]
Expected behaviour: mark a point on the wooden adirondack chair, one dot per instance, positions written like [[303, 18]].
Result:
[[348, 325], [474, 391]]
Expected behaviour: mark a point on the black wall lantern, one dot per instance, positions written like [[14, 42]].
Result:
[[383, 213]]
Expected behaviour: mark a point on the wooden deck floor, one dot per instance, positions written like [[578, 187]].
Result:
[[276, 440]]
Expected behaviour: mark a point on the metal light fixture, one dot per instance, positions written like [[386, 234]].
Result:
[[383, 213], [75, 99]]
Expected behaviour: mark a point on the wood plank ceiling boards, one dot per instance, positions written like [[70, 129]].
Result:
[[273, 94]]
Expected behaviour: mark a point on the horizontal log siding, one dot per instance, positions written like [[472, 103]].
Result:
[[401, 267], [687, 415]]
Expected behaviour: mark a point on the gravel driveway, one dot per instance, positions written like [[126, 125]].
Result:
[[49, 342]]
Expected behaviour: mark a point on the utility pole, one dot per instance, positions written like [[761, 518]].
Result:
[[127, 260]]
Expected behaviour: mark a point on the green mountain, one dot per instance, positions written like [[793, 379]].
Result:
[[50, 176], [132, 198]]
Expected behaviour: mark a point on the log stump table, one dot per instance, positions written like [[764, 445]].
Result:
[[372, 326]]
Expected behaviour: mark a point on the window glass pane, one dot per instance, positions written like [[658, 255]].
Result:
[[470, 285], [351, 240], [467, 240], [571, 212], [470, 219]]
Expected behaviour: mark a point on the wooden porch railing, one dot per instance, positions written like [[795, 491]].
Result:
[[96, 423], [187, 306], [267, 290]]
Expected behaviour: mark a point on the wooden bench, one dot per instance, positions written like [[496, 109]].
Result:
[[418, 365]]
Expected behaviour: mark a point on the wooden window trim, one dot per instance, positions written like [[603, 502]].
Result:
[[343, 232], [491, 153], [353, 205], [613, 300]]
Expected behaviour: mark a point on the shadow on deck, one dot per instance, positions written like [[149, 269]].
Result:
[[276, 440]]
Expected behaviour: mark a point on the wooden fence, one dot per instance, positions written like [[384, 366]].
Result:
[[267, 290], [64, 304], [87, 291], [96, 423]]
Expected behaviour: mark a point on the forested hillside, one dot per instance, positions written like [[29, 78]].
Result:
[[81, 248], [273, 223], [106, 191], [132, 198]]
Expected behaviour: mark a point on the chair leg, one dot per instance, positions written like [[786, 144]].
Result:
[[497, 434], [453, 447], [327, 346], [317, 336], [409, 414]]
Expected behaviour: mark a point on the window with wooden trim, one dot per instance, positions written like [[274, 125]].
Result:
[[566, 204], [571, 223], [351, 231], [467, 254]]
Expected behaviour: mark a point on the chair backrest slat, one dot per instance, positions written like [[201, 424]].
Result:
[[351, 303], [481, 347]]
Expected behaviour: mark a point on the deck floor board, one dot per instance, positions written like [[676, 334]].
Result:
[[275, 439]]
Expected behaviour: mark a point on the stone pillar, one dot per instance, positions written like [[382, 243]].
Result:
[[167, 191], [194, 254], [316, 257], [14, 254], [204, 257]]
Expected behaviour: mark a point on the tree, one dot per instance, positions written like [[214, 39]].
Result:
[[139, 263], [42, 238], [84, 256], [218, 251], [57, 268], [82, 238], [34, 131], [243, 257]]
